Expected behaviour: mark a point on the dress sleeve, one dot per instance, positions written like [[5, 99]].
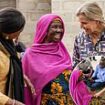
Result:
[[4, 69], [75, 53], [3, 99]]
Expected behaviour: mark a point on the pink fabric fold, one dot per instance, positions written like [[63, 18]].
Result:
[[78, 89], [43, 62]]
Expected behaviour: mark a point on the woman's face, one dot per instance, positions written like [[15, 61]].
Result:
[[55, 32], [12, 36], [89, 26]]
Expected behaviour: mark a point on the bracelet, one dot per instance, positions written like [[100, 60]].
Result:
[[14, 101]]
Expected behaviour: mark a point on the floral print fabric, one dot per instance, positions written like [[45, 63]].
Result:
[[56, 92]]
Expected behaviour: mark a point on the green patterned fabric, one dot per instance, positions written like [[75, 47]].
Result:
[[56, 92]]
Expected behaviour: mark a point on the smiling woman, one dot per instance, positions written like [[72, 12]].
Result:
[[48, 64], [91, 39]]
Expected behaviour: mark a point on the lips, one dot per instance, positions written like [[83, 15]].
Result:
[[57, 36]]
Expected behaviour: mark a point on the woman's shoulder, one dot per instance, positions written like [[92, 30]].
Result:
[[81, 34], [3, 51]]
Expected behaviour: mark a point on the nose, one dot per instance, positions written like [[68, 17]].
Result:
[[59, 30], [82, 25]]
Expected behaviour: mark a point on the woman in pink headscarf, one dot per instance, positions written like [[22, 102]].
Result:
[[78, 89], [48, 64]]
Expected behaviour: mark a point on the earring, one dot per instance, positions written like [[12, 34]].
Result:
[[6, 37]]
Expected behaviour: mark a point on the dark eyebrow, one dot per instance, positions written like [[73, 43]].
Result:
[[84, 22]]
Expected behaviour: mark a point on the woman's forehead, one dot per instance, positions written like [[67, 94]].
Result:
[[56, 22]]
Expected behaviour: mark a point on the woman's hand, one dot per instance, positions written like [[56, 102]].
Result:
[[13, 102], [100, 93], [97, 95], [29, 84]]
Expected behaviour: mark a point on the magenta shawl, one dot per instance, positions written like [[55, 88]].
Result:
[[44, 61], [78, 89]]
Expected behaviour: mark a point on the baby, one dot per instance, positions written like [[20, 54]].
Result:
[[98, 77]]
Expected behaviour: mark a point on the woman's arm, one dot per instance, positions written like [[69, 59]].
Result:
[[5, 100], [100, 93], [13, 102], [29, 84]]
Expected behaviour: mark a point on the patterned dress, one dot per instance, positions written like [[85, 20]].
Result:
[[56, 92]]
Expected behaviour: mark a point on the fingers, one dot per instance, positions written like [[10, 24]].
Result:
[[33, 90]]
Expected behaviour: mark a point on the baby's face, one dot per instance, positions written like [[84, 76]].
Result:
[[102, 62]]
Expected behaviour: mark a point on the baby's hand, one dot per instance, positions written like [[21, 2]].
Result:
[[91, 79]]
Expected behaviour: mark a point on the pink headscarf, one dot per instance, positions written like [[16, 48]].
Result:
[[78, 89], [44, 61]]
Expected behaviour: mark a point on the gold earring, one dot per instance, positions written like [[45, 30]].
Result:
[[7, 37]]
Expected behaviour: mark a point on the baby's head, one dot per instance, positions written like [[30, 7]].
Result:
[[102, 62], [85, 66]]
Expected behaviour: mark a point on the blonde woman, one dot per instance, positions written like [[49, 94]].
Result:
[[91, 40]]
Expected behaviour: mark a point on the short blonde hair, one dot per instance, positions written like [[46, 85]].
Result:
[[92, 11]]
